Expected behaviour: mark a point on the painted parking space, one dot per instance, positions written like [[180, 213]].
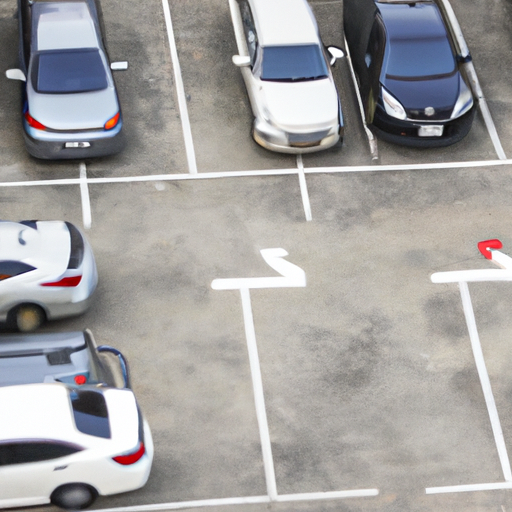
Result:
[[367, 372]]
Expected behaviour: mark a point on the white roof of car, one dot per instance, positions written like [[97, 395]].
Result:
[[65, 25], [43, 411], [284, 22], [47, 247]]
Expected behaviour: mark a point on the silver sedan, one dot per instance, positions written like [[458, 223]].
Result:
[[70, 108], [47, 271]]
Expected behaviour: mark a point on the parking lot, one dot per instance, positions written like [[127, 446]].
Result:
[[369, 379]]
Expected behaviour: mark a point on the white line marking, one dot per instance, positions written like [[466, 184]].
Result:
[[180, 91], [86, 202], [249, 500], [291, 275], [468, 488], [304, 189], [485, 382], [259, 399], [263, 172]]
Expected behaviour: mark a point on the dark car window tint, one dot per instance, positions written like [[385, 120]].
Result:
[[34, 451], [419, 58], [249, 29], [69, 71], [90, 412], [291, 63], [13, 268]]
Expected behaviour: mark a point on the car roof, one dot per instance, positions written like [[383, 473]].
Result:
[[35, 411], [47, 246], [64, 25], [43, 411], [418, 20], [284, 22]]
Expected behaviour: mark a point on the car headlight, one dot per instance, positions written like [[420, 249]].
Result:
[[464, 101], [392, 105]]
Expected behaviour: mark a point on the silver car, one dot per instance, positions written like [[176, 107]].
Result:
[[287, 74], [47, 271], [70, 103]]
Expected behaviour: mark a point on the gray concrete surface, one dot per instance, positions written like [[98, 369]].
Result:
[[368, 373]]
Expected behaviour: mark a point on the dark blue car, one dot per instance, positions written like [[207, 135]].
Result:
[[412, 83]]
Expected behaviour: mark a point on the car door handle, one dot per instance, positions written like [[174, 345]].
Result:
[[58, 468]]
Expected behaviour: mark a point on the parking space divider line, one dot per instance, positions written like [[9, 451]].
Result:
[[469, 488], [180, 92], [484, 380], [259, 398], [304, 188], [261, 172], [86, 201]]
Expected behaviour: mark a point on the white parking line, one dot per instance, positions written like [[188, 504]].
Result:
[[248, 500], [304, 189], [180, 91], [86, 203], [264, 172]]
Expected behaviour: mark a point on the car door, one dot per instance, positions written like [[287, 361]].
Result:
[[373, 58], [31, 470], [251, 40]]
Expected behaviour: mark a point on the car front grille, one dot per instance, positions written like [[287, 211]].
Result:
[[306, 140]]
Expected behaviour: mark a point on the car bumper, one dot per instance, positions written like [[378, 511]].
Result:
[[405, 133], [311, 146], [54, 147]]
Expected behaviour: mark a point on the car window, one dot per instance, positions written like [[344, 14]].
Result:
[[34, 451], [293, 63], [90, 412], [69, 71], [13, 268], [421, 58], [251, 36]]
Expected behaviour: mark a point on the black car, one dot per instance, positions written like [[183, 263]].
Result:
[[411, 79]]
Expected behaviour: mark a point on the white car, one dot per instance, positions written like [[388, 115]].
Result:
[[47, 271], [287, 74], [66, 445]]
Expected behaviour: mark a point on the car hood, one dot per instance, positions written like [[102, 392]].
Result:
[[416, 95], [301, 105], [79, 111]]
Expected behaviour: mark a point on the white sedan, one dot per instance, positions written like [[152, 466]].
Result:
[[287, 74], [66, 445]]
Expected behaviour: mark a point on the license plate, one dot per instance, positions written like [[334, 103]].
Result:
[[77, 145], [431, 130]]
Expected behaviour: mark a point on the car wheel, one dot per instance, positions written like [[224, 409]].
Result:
[[27, 317], [74, 496]]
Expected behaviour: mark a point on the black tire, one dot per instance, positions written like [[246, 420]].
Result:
[[26, 317], [74, 496]]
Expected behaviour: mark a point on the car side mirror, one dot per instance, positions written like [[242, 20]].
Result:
[[336, 53], [119, 66], [241, 60], [15, 74]]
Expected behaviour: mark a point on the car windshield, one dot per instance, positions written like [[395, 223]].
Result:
[[409, 58], [69, 71], [293, 63]]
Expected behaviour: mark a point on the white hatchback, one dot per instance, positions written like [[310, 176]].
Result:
[[287, 74], [66, 445]]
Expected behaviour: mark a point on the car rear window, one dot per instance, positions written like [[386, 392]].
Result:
[[293, 63], [90, 412], [69, 71], [9, 268], [76, 255]]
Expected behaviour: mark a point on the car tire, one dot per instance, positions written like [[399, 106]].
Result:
[[27, 317], [74, 496]]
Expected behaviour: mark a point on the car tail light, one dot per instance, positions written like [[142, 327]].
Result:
[[32, 122], [112, 122], [130, 458], [66, 282]]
